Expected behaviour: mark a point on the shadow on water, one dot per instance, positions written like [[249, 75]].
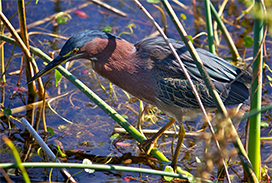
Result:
[[89, 134]]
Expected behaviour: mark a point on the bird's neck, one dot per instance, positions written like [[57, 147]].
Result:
[[114, 57], [119, 62]]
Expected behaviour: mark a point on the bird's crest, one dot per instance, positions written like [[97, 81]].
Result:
[[78, 40]]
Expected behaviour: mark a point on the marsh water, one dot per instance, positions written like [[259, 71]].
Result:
[[88, 132]]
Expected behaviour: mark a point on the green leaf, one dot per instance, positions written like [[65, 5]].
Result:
[[114, 137], [168, 169], [244, 12], [7, 112], [88, 162], [264, 124], [248, 41], [153, 1], [107, 29], [59, 151], [125, 116], [62, 20], [183, 16], [57, 77], [50, 130], [190, 38]]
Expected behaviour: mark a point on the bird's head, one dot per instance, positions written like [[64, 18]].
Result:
[[73, 49]]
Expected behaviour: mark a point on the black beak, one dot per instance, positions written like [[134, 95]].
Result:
[[52, 65]]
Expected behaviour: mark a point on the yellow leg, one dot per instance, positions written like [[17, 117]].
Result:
[[141, 114], [151, 142], [181, 136]]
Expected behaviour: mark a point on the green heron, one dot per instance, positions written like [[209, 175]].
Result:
[[149, 71]]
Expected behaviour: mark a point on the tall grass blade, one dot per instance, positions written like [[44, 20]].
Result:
[[256, 93], [17, 158], [209, 26], [2, 48]]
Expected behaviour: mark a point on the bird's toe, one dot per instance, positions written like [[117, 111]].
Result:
[[148, 145]]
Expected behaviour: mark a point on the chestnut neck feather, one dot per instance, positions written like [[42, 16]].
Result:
[[117, 60]]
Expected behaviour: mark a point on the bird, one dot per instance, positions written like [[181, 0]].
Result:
[[149, 71]]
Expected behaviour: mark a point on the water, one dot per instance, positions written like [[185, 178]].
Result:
[[89, 135]]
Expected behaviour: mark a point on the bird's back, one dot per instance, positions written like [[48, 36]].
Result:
[[172, 86]]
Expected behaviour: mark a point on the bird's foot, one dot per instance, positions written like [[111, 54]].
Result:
[[148, 145]]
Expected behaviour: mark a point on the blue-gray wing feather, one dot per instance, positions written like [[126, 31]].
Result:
[[173, 87]]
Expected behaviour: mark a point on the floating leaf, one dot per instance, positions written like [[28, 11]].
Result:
[[131, 117], [20, 89], [85, 71], [183, 16], [127, 161], [123, 144], [107, 29], [115, 137], [264, 124], [16, 88], [125, 116], [62, 127], [168, 169], [88, 162], [153, 1], [7, 112], [81, 14], [50, 130], [127, 179], [57, 77], [248, 41], [190, 38], [62, 20]]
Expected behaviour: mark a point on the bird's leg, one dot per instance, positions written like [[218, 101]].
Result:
[[152, 141], [101, 86], [181, 136], [141, 114], [112, 93]]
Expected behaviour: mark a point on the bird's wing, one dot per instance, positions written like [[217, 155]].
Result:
[[179, 92], [217, 68], [174, 88]]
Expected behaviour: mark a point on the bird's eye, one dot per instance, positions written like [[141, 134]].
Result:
[[75, 50]]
